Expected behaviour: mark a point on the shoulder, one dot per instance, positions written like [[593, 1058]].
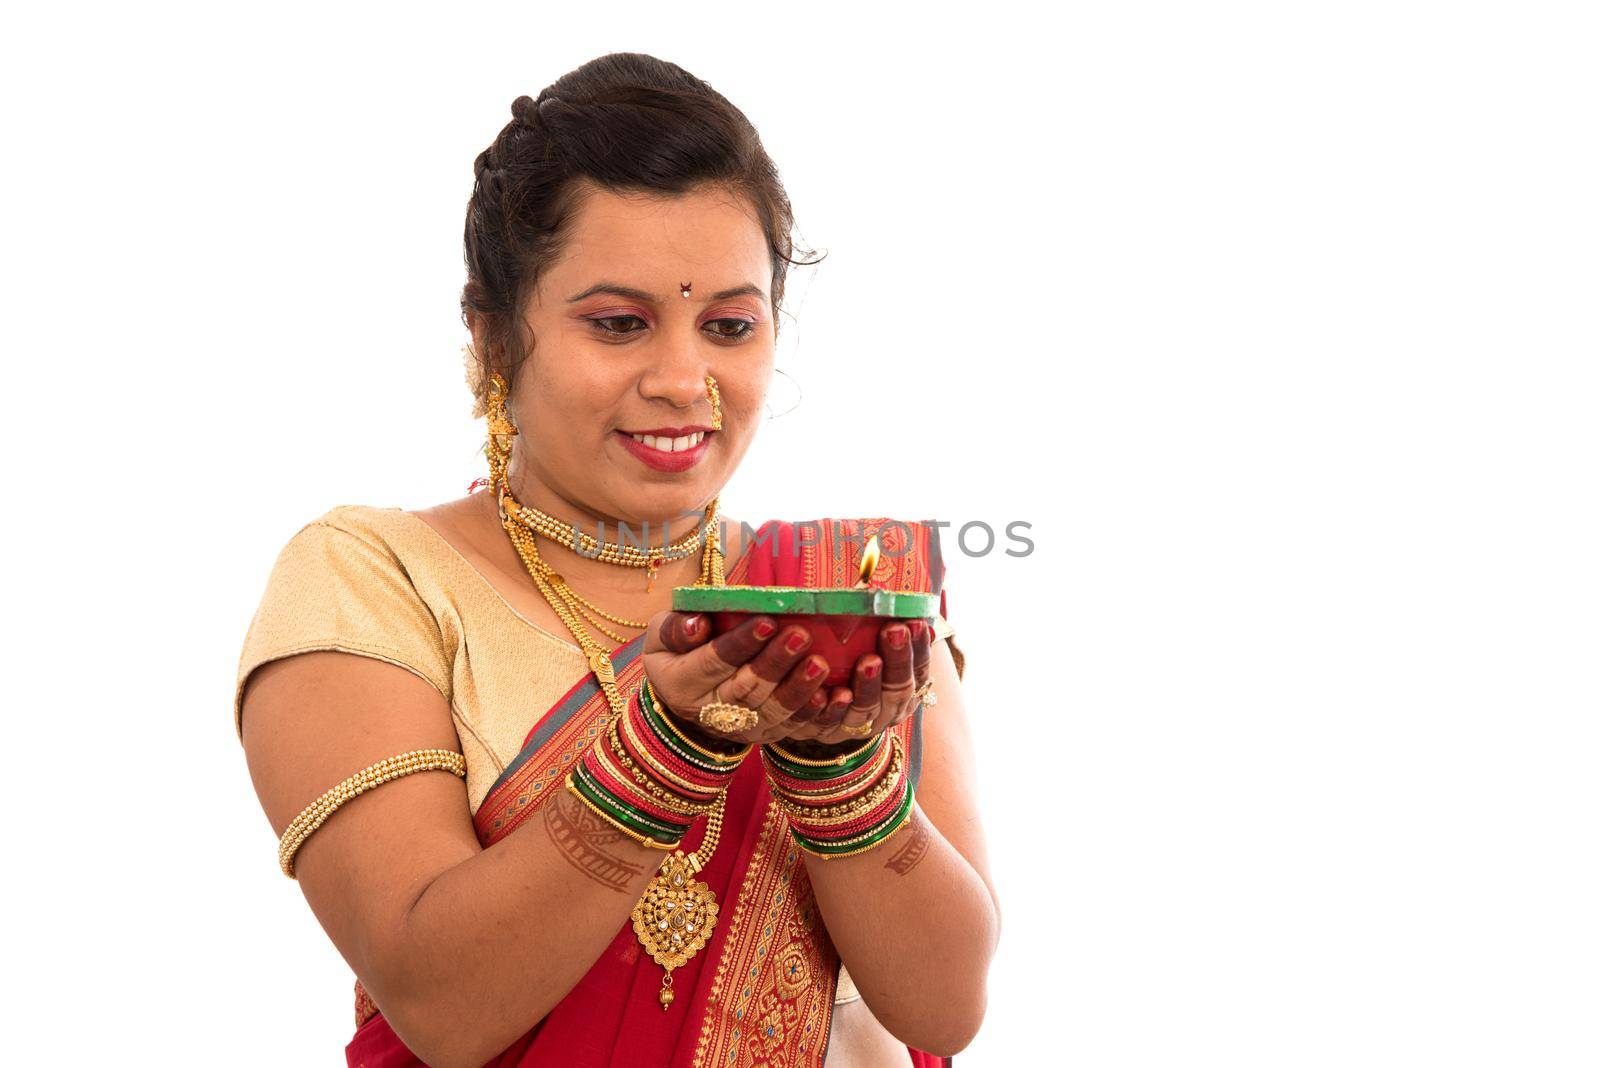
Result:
[[354, 538], [377, 526], [347, 582]]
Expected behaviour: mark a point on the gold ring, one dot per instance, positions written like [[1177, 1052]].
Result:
[[925, 694], [726, 718], [857, 732]]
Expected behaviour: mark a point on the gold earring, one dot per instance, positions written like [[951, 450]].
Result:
[[501, 431], [716, 402]]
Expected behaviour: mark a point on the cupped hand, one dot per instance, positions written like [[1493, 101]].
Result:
[[759, 664], [884, 691]]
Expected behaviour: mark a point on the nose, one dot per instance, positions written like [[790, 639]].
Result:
[[676, 373]]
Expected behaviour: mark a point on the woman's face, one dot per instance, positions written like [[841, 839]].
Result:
[[619, 355]]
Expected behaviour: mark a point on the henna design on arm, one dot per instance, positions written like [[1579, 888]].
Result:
[[588, 843], [910, 854]]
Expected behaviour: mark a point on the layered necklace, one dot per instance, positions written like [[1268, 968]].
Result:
[[674, 900]]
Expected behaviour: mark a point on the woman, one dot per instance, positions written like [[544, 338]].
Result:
[[657, 846]]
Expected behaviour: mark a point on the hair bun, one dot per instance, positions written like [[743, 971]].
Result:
[[525, 110]]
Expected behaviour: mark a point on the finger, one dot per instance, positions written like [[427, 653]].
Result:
[[869, 686], [853, 715], [754, 683], [922, 650], [774, 663], [894, 642], [813, 706], [681, 632], [803, 724], [713, 662], [802, 687]]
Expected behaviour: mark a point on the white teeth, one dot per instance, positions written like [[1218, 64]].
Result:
[[665, 444]]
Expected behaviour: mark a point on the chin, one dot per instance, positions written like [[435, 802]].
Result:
[[670, 502], [650, 489]]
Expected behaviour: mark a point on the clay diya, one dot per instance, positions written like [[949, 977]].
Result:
[[843, 623]]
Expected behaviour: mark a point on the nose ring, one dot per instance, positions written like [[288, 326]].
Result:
[[716, 402]]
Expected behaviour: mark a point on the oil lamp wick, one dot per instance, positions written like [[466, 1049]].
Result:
[[869, 562]]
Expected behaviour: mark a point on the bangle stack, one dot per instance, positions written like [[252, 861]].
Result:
[[845, 805], [648, 779]]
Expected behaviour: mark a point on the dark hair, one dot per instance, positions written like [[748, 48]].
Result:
[[626, 122]]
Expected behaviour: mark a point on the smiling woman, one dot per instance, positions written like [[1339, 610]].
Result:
[[612, 874]]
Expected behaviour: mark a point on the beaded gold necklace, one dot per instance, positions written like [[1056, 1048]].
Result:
[[568, 536]]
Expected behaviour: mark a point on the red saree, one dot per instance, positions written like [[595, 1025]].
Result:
[[763, 988]]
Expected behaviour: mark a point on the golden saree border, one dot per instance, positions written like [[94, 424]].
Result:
[[771, 1000], [559, 739]]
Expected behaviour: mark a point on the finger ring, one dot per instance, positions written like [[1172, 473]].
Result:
[[726, 718], [926, 695], [856, 732]]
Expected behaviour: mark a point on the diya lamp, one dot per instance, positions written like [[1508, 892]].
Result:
[[843, 622]]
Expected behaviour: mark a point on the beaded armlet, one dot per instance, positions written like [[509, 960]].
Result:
[[316, 813]]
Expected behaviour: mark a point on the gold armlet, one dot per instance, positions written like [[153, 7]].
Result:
[[377, 774]]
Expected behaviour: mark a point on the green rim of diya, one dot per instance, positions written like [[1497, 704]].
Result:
[[799, 600]]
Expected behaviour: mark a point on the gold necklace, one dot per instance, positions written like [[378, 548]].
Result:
[[677, 913], [568, 536]]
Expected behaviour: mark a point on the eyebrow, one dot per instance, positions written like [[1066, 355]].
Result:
[[618, 290]]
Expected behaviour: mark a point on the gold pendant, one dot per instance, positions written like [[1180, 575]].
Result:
[[600, 664], [675, 917]]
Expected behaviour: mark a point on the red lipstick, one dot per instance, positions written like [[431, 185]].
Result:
[[659, 459]]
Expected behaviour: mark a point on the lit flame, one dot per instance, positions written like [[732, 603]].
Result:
[[869, 560]]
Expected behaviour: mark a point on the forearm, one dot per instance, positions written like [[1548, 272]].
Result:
[[916, 927], [539, 906]]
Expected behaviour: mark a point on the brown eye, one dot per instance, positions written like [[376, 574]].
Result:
[[742, 328], [600, 322]]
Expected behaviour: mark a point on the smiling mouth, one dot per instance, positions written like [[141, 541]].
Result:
[[666, 443], [672, 449]]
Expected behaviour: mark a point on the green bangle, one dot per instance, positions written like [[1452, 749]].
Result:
[[643, 823], [862, 842], [846, 765], [675, 742]]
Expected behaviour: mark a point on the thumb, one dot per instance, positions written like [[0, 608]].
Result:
[[682, 632]]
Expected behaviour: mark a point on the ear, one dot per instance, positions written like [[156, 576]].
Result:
[[491, 355]]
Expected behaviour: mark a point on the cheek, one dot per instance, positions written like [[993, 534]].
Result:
[[574, 398], [746, 389]]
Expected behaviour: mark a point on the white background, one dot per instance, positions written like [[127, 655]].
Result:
[[1277, 321]]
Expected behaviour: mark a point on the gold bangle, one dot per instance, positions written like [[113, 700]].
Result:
[[314, 814], [667, 799], [855, 810], [845, 811], [611, 820], [721, 759], [828, 763], [666, 773], [874, 769], [910, 814]]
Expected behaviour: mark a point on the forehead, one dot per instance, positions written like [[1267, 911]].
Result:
[[709, 237]]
